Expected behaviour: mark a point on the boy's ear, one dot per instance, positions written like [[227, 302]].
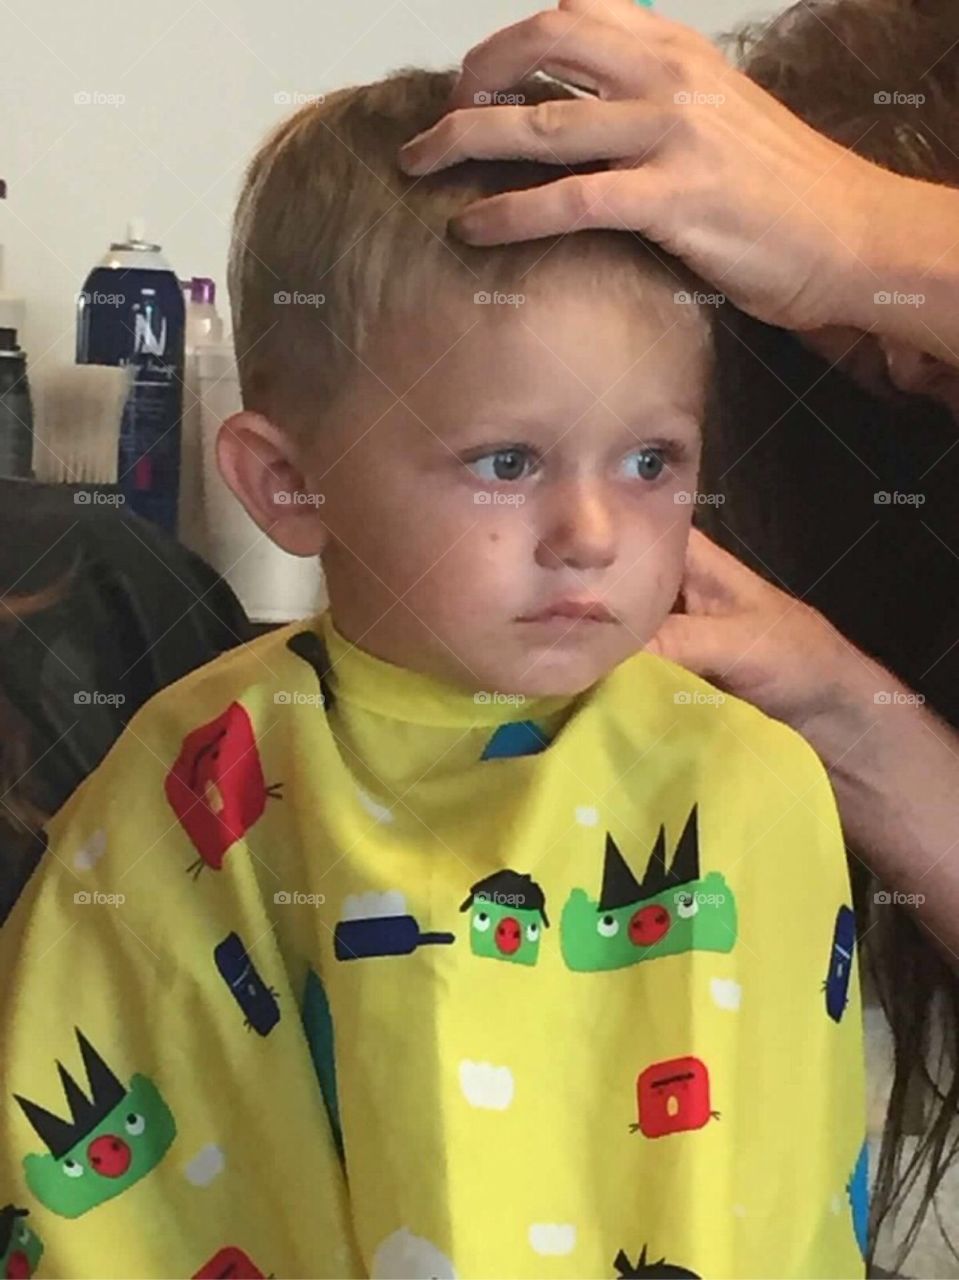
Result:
[[258, 463]]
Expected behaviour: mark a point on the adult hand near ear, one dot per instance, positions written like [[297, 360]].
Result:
[[745, 635], [792, 227], [893, 763]]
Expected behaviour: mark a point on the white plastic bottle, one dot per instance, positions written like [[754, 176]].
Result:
[[203, 322], [204, 328]]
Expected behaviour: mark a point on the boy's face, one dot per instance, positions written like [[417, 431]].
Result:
[[538, 460], [501, 467]]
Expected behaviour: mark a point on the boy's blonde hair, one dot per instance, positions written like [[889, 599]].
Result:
[[331, 239]]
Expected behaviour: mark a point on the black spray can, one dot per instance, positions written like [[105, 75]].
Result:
[[131, 311]]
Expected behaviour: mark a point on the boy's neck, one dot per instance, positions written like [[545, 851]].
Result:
[[381, 685]]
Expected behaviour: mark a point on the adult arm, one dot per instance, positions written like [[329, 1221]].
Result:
[[894, 764]]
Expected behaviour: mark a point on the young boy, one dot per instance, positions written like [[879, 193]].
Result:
[[507, 950]]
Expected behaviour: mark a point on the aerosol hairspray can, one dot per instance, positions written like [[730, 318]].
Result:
[[131, 311]]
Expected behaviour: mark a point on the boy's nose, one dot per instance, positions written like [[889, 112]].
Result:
[[579, 534]]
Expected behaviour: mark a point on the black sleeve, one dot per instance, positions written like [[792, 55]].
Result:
[[136, 612]]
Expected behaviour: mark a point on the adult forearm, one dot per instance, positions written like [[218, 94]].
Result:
[[894, 765], [906, 286]]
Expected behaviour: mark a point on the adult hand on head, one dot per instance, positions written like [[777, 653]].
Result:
[[702, 161]]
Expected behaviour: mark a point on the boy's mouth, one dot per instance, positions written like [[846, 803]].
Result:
[[573, 610]]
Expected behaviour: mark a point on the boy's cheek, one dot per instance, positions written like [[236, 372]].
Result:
[[654, 556], [458, 542]]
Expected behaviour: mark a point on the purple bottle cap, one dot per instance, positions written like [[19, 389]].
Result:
[[202, 289]]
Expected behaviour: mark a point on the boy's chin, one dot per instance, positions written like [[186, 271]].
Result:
[[558, 679]]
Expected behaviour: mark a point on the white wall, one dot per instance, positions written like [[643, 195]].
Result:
[[198, 80]]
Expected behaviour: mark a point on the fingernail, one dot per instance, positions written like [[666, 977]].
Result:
[[407, 158], [463, 225]]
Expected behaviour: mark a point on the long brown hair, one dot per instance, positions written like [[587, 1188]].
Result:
[[17, 750], [800, 453]]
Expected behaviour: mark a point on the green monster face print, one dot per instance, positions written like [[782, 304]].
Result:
[[507, 915], [114, 1138], [20, 1248], [670, 911]]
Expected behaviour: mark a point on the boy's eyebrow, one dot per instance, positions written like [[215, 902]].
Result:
[[660, 421], [663, 424]]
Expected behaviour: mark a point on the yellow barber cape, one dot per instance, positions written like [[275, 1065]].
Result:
[[331, 969]]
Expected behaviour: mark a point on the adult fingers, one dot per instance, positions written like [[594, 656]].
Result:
[[619, 199], [558, 131], [714, 574], [707, 645]]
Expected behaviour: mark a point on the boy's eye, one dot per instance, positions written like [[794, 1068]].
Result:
[[505, 464], [646, 464]]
